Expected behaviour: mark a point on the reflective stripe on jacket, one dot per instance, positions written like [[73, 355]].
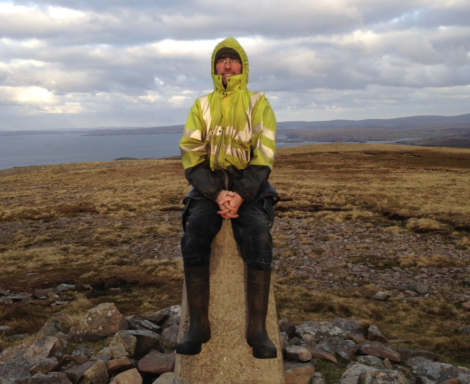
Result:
[[230, 129]]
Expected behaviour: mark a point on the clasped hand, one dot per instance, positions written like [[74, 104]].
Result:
[[229, 203]]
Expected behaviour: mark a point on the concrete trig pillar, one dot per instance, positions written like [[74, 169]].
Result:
[[227, 358]]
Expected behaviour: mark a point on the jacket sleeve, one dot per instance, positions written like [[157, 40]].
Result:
[[195, 157], [263, 144]]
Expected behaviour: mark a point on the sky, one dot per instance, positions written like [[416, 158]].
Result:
[[120, 63]]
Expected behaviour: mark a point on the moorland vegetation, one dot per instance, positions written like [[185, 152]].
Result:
[[109, 224]]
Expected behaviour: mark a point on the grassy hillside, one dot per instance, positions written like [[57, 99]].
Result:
[[110, 224]]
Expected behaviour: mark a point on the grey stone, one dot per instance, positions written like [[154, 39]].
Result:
[[138, 323], [50, 378], [375, 348], [352, 373], [166, 378], [75, 373], [419, 288], [374, 334], [5, 330], [382, 296], [298, 373], [382, 377], [122, 345], [157, 363], [146, 341], [298, 353], [283, 338], [464, 375], [165, 317], [318, 378], [372, 361], [51, 327], [21, 358], [465, 330], [351, 327], [287, 327], [96, 374], [132, 376], [435, 371], [83, 350], [65, 288], [409, 353], [45, 366], [170, 336], [424, 380], [312, 330], [344, 348], [99, 322]]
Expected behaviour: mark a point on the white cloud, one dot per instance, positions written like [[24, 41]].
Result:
[[119, 62]]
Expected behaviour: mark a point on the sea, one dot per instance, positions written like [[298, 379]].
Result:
[[28, 150]]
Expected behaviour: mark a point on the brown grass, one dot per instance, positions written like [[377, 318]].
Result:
[[118, 224]]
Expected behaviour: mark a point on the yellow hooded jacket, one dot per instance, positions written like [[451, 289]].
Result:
[[229, 137]]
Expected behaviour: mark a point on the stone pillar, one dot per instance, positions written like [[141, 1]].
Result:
[[227, 358]]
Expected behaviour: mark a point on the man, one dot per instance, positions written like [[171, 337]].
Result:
[[227, 151]]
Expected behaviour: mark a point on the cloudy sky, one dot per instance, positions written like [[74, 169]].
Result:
[[98, 63]]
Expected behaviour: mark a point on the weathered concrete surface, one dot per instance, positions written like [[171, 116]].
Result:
[[227, 358]]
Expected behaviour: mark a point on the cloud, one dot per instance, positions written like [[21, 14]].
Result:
[[91, 63]]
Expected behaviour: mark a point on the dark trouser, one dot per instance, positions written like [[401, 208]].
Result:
[[251, 230]]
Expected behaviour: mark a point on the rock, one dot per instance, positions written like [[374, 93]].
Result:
[[170, 336], [418, 288], [298, 353], [4, 292], [114, 291], [372, 361], [352, 373], [435, 371], [411, 362], [424, 380], [451, 381], [122, 345], [166, 378], [69, 361], [388, 364], [344, 348], [121, 364], [406, 354], [50, 378], [466, 306], [53, 296], [75, 372], [83, 350], [157, 363], [382, 296], [283, 338], [464, 330], [132, 376], [166, 317], [5, 330], [65, 288], [374, 334], [45, 366], [99, 322], [318, 378], [287, 327], [323, 355], [317, 331], [51, 327], [96, 374], [146, 341], [5, 301], [382, 377], [21, 378], [19, 359], [140, 324], [352, 328], [41, 294], [376, 348], [298, 373], [464, 375]]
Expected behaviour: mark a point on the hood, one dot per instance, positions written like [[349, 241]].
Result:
[[230, 42]]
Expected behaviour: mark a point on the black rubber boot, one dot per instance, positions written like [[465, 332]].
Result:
[[258, 284], [197, 293]]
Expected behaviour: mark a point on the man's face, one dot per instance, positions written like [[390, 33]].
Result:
[[228, 67]]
